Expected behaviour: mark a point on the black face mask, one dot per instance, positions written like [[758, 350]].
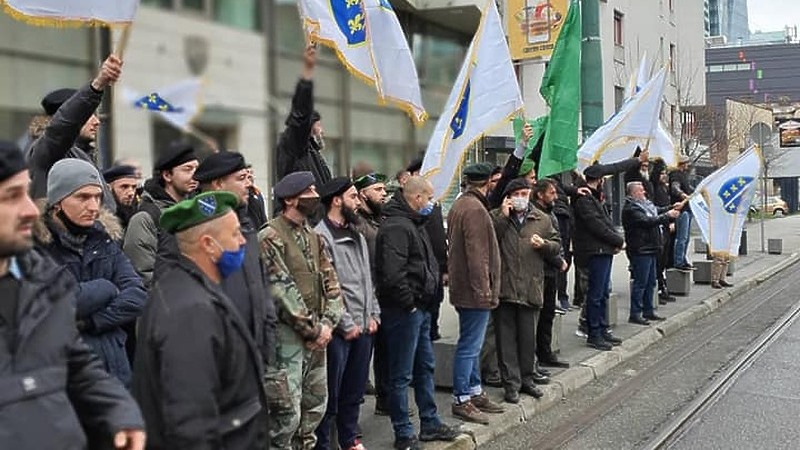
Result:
[[71, 226], [316, 142], [308, 205]]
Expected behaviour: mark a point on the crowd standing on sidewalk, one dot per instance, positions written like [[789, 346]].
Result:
[[233, 330]]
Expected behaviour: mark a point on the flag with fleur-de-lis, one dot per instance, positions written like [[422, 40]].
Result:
[[368, 39], [178, 103]]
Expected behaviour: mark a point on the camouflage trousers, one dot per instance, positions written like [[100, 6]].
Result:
[[295, 412]]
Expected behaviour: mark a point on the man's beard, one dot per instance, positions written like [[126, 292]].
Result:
[[349, 215], [645, 175], [9, 249], [317, 142], [374, 207]]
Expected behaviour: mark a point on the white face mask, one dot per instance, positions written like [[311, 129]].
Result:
[[519, 203]]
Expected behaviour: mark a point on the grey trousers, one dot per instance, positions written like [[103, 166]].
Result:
[[515, 335]]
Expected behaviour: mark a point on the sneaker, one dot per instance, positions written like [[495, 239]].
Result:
[[539, 369], [685, 267], [582, 332], [611, 339], [637, 320], [724, 283], [407, 444], [560, 310], [538, 378], [485, 404], [469, 413], [441, 433], [599, 344], [716, 285], [357, 445]]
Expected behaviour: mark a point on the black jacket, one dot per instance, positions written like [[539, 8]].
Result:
[[510, 171], [633, 174], [197, 374], [552, 262], [438, 237], [679, 184], [594, 232], [406, 268], [642, 230], [54, 392], [61, 139], [294, 150]]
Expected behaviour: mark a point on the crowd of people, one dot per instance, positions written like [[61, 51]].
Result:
[[174, 310]]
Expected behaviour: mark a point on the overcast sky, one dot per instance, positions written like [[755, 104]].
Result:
[[773, 15]]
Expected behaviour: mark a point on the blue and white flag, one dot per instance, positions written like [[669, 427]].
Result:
[[368, 39], [178, 103], [485, 95], [721, 201], [633, 126]]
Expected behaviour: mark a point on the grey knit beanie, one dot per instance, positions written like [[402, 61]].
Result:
[[67, 176]]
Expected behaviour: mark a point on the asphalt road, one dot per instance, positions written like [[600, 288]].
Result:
[[628, 406]]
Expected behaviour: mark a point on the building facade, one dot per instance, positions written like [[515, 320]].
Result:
[[727, 18]]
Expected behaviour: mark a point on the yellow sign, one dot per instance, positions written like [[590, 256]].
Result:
[[534, 26]]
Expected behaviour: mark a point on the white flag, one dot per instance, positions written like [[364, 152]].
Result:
[[368, 39], [721, 202], [178, 103], [71, 12], [634, 125], [485, 94], [663, 145]]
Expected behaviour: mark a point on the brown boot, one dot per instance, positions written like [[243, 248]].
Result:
[[485, 404], [469, 413]]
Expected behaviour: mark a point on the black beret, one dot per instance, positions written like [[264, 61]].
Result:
[[415, 165], [515, 185], [293, 184], [52, 101], [217, 165], [115, 173], [595, 172], [176, 154], [369, 180], [199, 209], [12, 161], [478, 171], [334, 188]]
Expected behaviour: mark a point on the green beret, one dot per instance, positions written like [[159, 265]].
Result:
[[526, 167], [369, 179], [478, 171], [194, 211]]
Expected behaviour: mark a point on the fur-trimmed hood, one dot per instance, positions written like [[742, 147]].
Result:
[[107, 221]]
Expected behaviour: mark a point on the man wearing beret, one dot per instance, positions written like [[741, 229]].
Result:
[[246, 288], [306, 290], [79, 234], [56, 393], [350, 348], [122, 181], [198, 372], [172, 181], [72, 128], [300, 143], [474, 268]]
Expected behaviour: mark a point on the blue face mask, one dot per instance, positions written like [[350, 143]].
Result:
[[427, 209], [229, 262]]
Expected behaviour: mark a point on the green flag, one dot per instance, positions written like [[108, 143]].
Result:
[[561, 89]]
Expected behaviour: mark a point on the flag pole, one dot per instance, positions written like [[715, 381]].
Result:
[[122, 44], [206, 139]]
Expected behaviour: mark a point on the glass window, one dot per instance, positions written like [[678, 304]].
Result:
[[618, 28], [237, 13], [194, 5], [438, 59], [289, 32]]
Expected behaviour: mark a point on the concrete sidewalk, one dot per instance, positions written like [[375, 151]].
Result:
[[588, 364]]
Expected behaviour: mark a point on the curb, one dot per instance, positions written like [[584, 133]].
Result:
[[585, 372]]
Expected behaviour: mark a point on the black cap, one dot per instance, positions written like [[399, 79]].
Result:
[[52, 101], [177, 153], [293, 184], [515, 185], [415, 165], [12, 161], [595, 172], [478, 172], [334, 188], [115, 173], [217, 165], [369, 180]]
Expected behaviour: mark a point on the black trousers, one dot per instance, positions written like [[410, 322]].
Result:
[[581, 282], [544, 330], [565, 233], [436, 308], [515, 334]]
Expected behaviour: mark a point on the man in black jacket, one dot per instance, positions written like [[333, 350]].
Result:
[[661, 198], [198, 372], [300, 143], [72, 128], [56, 394], [407, 276], [642, 221], [680, 190]]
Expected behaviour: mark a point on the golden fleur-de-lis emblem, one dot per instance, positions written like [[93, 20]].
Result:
[[351, 3], [356, 23]]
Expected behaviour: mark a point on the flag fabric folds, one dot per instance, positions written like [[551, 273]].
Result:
[[561, 89], [368, 39], [722, 200], [485, 94], [663, 145], [178, 103], [633, 126], [72, 12]]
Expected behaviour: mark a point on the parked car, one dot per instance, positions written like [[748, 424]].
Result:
[[775, 205]]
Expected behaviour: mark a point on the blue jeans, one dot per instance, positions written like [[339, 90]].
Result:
[[643, 270], [411, 363], [348, 371], [682, 227], [599, 270], [466, 360]]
